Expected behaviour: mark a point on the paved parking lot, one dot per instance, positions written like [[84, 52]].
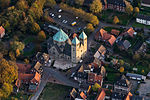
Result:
[[66, 20], [144, 88]]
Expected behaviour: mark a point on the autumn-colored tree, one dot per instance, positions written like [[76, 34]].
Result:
[[79, 2], [7, 88], [89, 27], [22, 5], [50, 3], [96, 86], [129, 8], [35, 28], [26, 61], [4, 3], [136, 57], [96, 6], [17, 52], [116, 20], [136, 10], [17, 45], [121, 69], [41, 36], [12, 56], [94, 20], [143, 71]]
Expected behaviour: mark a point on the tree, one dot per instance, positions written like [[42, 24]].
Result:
[[96, 86], [79, 2], [17, 45], [96, 6], [50, 3], [136, 57], [116, 20], [89, 27], [7, 89], [4, 3], [121, 69], [22, 5], [17, 52], [41, 36], [129, 8], [121, 62], [136, 10], [26, 61], [12, 56], [35, 28]]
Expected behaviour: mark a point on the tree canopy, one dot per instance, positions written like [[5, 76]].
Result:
[[50, 3], [79, 2], [96, 6], [116, 20]]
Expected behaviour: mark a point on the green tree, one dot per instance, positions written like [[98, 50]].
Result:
[[96, 6], [35, 28], [50, 3], [79, 2], [22, 5], [41, 36], [116, 20]]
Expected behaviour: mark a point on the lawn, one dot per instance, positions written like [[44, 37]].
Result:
[[18, 96], [54, 92], [29, 39], [140, 25], [108, 16], [112, 77], [108, 29]]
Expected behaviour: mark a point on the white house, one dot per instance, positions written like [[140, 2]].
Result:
[[143, 19]]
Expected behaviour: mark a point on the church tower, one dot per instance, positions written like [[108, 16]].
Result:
[[75, 47], [83, 40]]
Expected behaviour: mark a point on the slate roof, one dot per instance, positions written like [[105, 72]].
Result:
[[75, 41], [117, 2], [146, 2], [67, 50], [83, 35], [118, 96], [145, 17], [60, 36]]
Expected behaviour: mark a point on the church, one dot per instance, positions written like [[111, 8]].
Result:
[[60, 46]]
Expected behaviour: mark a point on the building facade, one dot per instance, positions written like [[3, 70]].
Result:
[[60, 46]]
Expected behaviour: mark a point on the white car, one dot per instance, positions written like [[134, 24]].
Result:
[[60, 10], [65, 21], [77, 17], [53, 15], [59, 16]]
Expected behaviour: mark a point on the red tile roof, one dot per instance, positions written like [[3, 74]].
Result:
[[23, 68], [112, 40], [130, 31], [93, 64], [101, 96], [74, 35], [2, 30], [83, 96], [25, 77], [36, 78], [103, 34], [128, 96], [93, 77], [115, 32]]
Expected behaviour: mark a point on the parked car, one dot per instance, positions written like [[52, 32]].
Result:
[[60, 10]]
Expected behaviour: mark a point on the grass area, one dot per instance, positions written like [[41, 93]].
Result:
[[112, 77], [54, 92], [108, 29], [18, 96], [29, 39], [30, 53], [108, 16], [140, 25]]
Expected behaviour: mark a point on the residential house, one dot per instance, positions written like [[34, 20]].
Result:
[[27, 78], [140, 48], [145, 3], [118, 96], [82, 75], [124, 45], [83, 96], [38, 68], [123, 85], [128, 97], [136, 76], [73, 93], [94, 78], [130, 32], [115, 32], [100, 55], [2, 32], [104, 36], [44, 59], [101, 95], [143, 19]]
